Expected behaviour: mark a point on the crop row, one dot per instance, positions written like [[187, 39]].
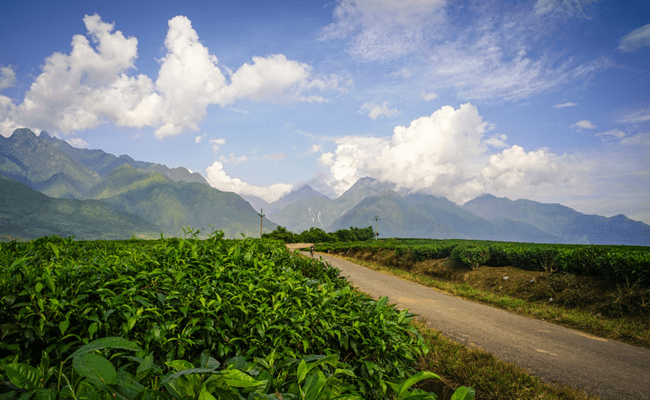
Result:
[[131, 315], [618, 265]]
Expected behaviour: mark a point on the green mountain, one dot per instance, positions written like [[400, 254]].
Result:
[[26, 214], [470, 225], [397, 218], [35, 162], [568, 224], [103, 163], [177, 205]]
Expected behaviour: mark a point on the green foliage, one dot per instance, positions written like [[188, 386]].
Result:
[[626, 265], [316, 235], [470, 256], [141, 319]]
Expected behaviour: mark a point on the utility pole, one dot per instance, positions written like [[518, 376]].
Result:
[[376, 232], [261, 214]]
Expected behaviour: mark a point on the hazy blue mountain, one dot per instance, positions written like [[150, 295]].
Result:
[[301, 215], [177, 205], [257, 202], [35, 162], [103, 163], [470, 225], [570, 225], [305, 192], [27, 214], [397, 218], [319, 211]]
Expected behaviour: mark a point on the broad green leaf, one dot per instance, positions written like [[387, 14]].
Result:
[[179, 365], [237, 378], [44, 394], [204, 395], [314, 385], [63, 326], [96, 369], [302, 371], [38, 287], [190, 371], [144, 368], [23, 376], [106, 343], [463, 393], [92, 329], [420, 376]]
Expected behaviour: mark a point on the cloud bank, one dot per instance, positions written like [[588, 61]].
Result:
[[448, 153], [92, 85]]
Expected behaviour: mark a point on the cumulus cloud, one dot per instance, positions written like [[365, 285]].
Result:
[[611, 134], [383, 29], [274, 156], [636, 39], [7, 77], [216, 143], [217, 178], [572, 8], [583, 124], [233, 159], [445, 153], [91, 85], [565, 105], [378, 110], [316, 148], [197, 139], [497, 141]]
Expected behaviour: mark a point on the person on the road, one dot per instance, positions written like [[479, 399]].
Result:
[[311, 250]]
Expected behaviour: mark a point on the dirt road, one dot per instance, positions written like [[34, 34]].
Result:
[[607, 368]]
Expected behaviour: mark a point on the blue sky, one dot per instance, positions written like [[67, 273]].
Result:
[[547, 100]]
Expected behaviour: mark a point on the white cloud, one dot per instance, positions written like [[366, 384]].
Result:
[[216, 143], [611, 134], [565, 105], [275, 156], [403, 73], [91, 85], [378, 110], [446, 154], [78, 143], [568, 7], [7, 77], [641, 141], [383, 29], [636, 116], [636, 39], [583, 124], [233, 159], [197, 139], [217, 178], [316, 148], [428, 96], [497, 141]]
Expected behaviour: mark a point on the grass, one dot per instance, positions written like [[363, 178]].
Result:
[[579, 302]]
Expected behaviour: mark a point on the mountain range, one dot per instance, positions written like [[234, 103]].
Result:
[[158, 198], [114, 197]]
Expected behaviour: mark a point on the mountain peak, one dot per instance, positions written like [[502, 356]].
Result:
[[23, 133]]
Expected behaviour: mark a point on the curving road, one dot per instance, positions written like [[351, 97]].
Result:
[[553, 353]]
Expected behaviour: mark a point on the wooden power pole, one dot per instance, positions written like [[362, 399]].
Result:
[[261, 214], [376, 231]]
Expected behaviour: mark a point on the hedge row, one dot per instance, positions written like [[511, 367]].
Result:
[[622, 267]]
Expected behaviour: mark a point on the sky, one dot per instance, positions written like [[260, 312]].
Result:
[[547, 100]]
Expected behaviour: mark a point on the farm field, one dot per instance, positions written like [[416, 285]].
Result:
[[196, 319], [601, 290]]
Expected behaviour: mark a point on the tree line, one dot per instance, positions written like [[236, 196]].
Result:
[[316, 235]]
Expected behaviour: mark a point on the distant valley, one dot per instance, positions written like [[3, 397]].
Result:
[[142, 198]]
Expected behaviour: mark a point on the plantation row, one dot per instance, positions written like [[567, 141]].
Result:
[[191, 319], [615, 263]]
